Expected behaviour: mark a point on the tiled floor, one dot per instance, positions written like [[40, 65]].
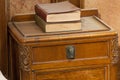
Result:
[[2, 77]]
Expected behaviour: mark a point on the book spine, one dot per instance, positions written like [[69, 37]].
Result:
[[41, 13], [40, 22]]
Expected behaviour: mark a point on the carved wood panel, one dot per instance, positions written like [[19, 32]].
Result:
[[24, 57], [115, 51], [73, 74]]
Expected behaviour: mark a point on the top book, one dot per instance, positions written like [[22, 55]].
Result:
[[58, 12]]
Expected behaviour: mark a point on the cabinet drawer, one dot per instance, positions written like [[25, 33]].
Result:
[[99, 73], [82, 51]]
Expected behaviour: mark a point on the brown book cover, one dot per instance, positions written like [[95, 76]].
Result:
[[57, 26], [58, 12]]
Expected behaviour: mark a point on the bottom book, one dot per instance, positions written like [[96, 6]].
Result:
[[57, 26]]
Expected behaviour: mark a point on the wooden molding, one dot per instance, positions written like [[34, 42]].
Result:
[[89, 12], [3, 37], [79, 3], [82, 4]]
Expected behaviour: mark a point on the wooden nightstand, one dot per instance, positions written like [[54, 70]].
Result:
[[87, 54]]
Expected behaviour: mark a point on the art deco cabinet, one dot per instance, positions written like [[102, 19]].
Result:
[[9, 8], [87, 54]]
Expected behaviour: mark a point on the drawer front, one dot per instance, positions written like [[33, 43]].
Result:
[[80, 51], [72, 74]]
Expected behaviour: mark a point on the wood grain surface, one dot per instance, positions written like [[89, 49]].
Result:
[[72, 74]]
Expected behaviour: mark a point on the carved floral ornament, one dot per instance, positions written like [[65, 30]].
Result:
[[24, 57], [115, 51]]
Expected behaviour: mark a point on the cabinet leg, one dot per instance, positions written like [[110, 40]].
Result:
[[11, 61]]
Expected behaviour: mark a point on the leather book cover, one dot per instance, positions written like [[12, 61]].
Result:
[[43, 10]]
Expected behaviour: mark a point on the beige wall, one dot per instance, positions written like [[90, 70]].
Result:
[[109, 11], [23, 6]]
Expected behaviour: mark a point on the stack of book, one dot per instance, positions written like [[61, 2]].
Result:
[[61, 16]]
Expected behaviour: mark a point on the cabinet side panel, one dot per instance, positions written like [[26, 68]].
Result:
[[3, 37]]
